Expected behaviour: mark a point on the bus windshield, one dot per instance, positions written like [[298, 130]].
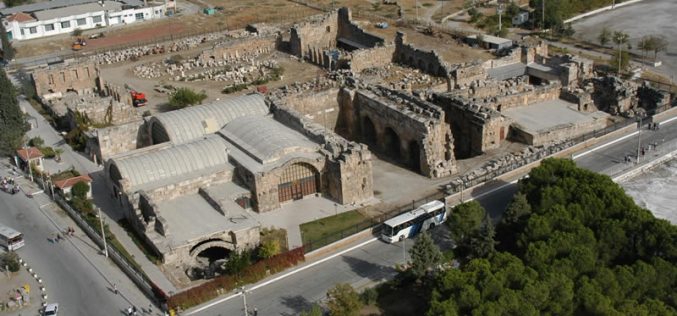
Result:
[[387, 230]]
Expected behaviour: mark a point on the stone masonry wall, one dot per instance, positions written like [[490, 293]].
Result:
[[234, 50], [425, 139], [529, 96], [371, 58], [351, 31], [464, 74], [79, 78], [476, 128], [117, 139], [426, 61], [309, 39], [266, 184], [320, 106], [348, 174]]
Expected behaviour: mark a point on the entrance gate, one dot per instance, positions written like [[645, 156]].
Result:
[[297, 181]]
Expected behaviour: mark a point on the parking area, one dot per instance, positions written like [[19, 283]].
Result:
[[649, 17]]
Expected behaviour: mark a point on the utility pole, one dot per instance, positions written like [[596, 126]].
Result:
[[244, 298], [103, 234], [639, 139], [543, 14], [404, 250], [416, 11], [500, 13], [28, 161]]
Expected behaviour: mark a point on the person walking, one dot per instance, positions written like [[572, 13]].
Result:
[[115, 289]]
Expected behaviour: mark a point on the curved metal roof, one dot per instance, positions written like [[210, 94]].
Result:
[[173, 162], [190, 123], [265, 139]]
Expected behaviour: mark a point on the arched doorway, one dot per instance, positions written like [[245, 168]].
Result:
[[297, 181], [368, 131], [414, 156], [208, 255], [391, 143]]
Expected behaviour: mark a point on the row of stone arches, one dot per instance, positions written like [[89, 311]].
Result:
[[391, 144]]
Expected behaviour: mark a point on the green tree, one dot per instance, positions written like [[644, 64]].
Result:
[[465, 222], [619, 38], [269, 248], [184, 97], [76, 32], [11, 261], [657, 44], [644, 45], [343, 301], [36, 142], [237, 262], [425, 255], [604, 36], [7, 49], [483, 245], [623, 62], [315, 310], [12, 123], [80, 190]]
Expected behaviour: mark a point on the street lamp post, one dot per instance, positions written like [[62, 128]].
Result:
[[103, 234], [244, 298], [28, 161], [404, 250], [639, 139]]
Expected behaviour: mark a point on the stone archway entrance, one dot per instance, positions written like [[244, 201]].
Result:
[[368, 131], [391, 144], [207, 257], [297, 181]]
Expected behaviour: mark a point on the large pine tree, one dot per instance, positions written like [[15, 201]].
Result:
[[7, 49], [12, 123]]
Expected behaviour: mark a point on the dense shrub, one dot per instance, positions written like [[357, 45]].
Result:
[[250, 274]]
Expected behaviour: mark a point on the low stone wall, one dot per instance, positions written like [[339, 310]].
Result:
[[237, 49], [371, 58]]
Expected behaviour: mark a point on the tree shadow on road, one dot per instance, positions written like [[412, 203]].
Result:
[[369, 270], [297, 303]]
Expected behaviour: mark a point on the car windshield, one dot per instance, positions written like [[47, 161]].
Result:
[[49, 313]]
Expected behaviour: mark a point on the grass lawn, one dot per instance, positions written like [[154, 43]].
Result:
[[327, 228]]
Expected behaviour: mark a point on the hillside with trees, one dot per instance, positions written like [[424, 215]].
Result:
[[571, 242]]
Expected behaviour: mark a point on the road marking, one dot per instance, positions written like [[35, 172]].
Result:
[[617, 140], [290, 273]]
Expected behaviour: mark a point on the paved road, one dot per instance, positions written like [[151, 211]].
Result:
[[649, 17], [610, 160], [74, 274], [373, 261]]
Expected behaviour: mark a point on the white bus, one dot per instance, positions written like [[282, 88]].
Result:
[[10, 238], [411, 223]]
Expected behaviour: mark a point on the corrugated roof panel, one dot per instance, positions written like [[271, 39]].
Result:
[[176, 161], [186, 124]]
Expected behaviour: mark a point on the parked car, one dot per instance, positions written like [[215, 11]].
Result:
[[51, 310]]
